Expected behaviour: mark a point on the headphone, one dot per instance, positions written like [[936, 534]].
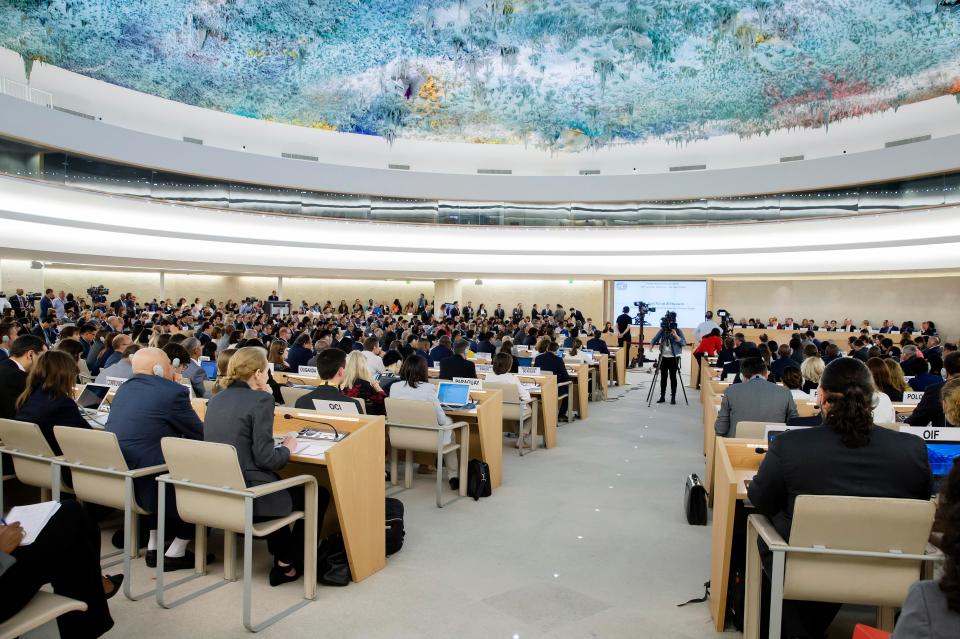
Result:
[[158, 370], [5, 339]]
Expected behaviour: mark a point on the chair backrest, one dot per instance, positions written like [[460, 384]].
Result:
[[28, 438], [856, 523], [753, 430], [97, 448], [411, 412], [511, 393], [208, 386], [206, 464], [291, 394]]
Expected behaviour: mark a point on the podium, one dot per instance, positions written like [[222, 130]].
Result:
[[277, 308]]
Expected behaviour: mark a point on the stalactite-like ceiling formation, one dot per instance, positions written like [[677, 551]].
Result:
[[559, 74]]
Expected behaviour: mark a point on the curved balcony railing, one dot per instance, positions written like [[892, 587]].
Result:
[[70, 170]]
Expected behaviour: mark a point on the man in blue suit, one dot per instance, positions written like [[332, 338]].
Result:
[[149, 406], [548, 360]]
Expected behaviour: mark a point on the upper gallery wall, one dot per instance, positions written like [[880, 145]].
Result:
[[553, 74]]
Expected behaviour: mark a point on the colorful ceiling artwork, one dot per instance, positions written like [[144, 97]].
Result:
[[557, 74]]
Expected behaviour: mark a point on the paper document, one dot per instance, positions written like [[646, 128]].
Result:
[[33, 518], [313, 448]]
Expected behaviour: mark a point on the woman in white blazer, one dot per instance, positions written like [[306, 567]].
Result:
[[414, 384]]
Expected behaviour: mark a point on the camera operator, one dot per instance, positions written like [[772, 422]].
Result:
[[623, 333], [671, 342]]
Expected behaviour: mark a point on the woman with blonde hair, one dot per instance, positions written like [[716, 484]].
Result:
[[359, 384], [241, 415], [812, 369], [897, 381], [223, 364], [950, 397]]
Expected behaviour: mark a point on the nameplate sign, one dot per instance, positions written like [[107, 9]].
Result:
[[484, 356], [308, 370], [912, 398], [931, 434], [114, 382], [484, 368], [204, 358], [475, 384], [330, 406], [529, 370], [270, 366]]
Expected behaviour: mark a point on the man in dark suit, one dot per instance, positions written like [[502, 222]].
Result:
[[784, 361], [597, 344], [19, 304], [457, 365], [548, 360], [499, 313], [24, 352], [441, 351], [330, 365], [485, 344], [148, 407], [624, 322], [273, 297], [930, 409], [843, 457], [753, 400], [88, 333]]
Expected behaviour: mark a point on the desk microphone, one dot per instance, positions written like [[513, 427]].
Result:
[[336, 433]]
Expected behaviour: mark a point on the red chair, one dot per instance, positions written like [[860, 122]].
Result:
[[861, 631]]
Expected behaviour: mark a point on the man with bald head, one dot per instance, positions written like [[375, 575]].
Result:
[[149, 406]]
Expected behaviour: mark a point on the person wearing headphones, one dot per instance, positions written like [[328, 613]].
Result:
[[151, 405], [8, 333]]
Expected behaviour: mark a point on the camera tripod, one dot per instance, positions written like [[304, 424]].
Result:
[[656, 374]]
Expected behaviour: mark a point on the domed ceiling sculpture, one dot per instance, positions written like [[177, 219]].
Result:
[[557, 74]]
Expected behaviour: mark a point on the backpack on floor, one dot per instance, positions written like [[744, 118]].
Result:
[[333, 568], [695, 501], [478, 479], [394, 525]]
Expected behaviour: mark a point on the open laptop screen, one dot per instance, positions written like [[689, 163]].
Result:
[[92, 396], [210, 368], [453, 394], [941, 456]]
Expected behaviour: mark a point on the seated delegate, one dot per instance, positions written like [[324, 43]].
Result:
[[331, 363], [149, 406], [241, 415], [66, 554], [753, 400], [415, 384], [848, 455], [932, 608], [47, 400]]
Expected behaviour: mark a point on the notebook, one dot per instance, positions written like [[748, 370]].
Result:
[[33, 518]]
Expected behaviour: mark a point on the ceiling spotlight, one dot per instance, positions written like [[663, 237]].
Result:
[[36, 265], [478, 282]]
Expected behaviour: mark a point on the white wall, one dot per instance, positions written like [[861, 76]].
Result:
[[898, 299]]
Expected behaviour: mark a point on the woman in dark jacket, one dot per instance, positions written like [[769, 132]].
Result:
[[241, 415], [47, 400]]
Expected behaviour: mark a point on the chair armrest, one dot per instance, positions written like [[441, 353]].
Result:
[[567, 383], [149, 470], [767, 532], [281, 484], [455, 425], [427, 426]]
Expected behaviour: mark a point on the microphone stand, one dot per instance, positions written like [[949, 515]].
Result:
[[336, 433]]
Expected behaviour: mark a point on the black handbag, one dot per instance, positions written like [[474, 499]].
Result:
[[695, 501], [333, 569]]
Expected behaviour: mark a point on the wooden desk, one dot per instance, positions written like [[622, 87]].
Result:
[[603, 368], [352, 470], [293, 378], [486, 431], [620, 364], [580, 387], [547, 419], [736, 460], [903, 410]]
